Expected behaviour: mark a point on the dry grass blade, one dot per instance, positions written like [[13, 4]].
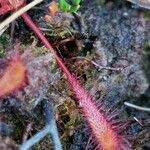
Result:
[[141, 3], [18, 13], [50, 128], [137, 107]]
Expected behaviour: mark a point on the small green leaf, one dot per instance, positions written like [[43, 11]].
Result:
[[76, 2], [74, 9], [64, 6]]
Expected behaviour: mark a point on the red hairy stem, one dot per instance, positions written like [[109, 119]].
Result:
[[106, 137]]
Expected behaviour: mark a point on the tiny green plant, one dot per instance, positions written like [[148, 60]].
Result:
[[72, 7]]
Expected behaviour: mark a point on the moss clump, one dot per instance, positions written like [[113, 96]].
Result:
[[2, 50], [147, 14], [37, 51], [61, 31], [146, 57], [100, 2], [68, 117], [4, 41]]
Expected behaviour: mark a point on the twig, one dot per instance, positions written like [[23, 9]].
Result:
[[27, 130], [141, 3], [50, 121], [18, 13], [13, 24], [3, 30], [97, 65], [50, 128], [137, 107], [137, 121], [63, 41], [35, 139]]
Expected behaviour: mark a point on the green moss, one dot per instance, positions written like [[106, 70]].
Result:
[[100, 2], [147, 45], [45, 144], [146, 63], [90, 73], [37, 51], [68, 118], [2, 50], [18, 123], [4, 38], [4, 41], [59, 32], [53, 66], [147, 14]]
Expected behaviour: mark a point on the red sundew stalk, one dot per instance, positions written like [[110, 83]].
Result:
[[106, 137]]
